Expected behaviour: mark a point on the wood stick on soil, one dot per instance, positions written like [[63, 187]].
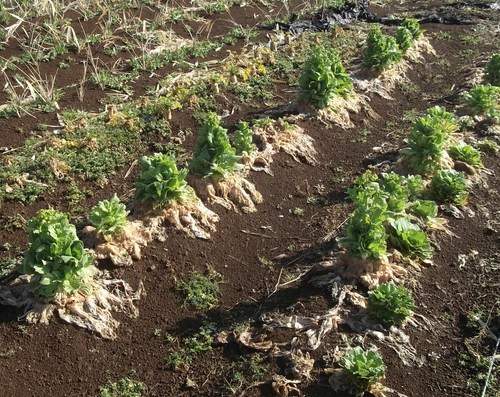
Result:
[[256, 234]]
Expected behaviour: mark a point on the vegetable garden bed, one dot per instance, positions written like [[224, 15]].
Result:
[[195, 201]]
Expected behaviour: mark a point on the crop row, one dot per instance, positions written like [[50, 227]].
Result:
[[393, 213]]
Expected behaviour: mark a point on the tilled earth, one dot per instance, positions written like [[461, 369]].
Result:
[[255, 252]]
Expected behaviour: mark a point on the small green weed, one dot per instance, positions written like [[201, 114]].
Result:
[[124, 387], [199, 290], [182, 357]]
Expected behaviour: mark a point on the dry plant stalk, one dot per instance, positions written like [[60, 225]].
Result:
[[92, 311], [279, 135], [187, 214], [232, 192], [121, 249]]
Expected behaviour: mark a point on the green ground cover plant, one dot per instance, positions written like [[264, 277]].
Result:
[[324, 77], [56, 257], [364, 368], [199, 290], [125, 387], [390, 304], [182, 356]]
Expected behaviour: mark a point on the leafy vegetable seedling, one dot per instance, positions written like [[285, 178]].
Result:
[[365, 232], [413, 27], [109, 217], [380, 50], [449, 186], [213, 154], [492, 71], [160, 181], [216, 160], [404, 38], [161, 184], [243, 139], [427, 141], [324, 77], [64, 281], [56, 258], [466, 154], [364, 368], [484, 100], [408, 238], [390, 304]]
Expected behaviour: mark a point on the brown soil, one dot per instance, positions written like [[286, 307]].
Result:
[[68, 361]]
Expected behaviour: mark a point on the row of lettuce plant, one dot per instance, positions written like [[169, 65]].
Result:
[[395, 212], [390, 210], [382, 50], [324, 76]]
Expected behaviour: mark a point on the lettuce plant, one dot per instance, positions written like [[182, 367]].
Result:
[[404, 39], [413, 27], [427, 140], [213, 154], [466, 154], [400, 191], [492, 71], [449, 186], [396, 189], [488, 147], [390, 304], [365, 232], [243, 139], [409, 239], [365, 185], [56, 257], [324, 77], [380, 50], [109, 217], [484, 100], [159, 181], [426, 210], [364, 368]]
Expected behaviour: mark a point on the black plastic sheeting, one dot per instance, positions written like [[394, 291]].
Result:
[[323, 20], [358, 10]]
